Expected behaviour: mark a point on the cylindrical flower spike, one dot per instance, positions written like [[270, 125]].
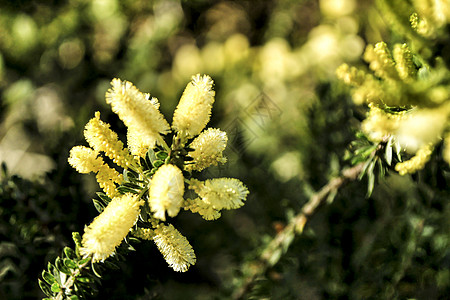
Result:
[[207, 211], [175, 248], [417, 162], [221, 193], [136, 144], [101, 138], [107, 178], [194, 109], [166, 191], [208, 148], [108, 229], [137, 111], [85, 160]]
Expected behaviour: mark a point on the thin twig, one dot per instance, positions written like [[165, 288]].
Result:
[[280, 243]]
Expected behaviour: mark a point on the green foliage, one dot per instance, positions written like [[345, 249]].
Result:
[[384, 237]]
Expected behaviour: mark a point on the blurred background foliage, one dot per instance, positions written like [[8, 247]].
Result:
[[289, 124]]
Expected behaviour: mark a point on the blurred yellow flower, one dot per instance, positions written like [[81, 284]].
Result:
[[166, 191]]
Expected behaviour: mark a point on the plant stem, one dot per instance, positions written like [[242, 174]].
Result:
[[281, 242]]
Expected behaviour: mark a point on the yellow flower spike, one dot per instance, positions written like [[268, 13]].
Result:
[[136, 144], [350, 75], [194, 109], [221, 193], [175, 248], [208, 148], [403, 62], [417, 162], [380, 124], [137, 111], [84, 160], [100, 137], [166, 191], [106, 178], [202, 208], [108, 229], [380, 61]]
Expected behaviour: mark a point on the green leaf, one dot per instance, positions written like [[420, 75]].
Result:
[[45, 288], [70, 253], [61, 267], [150, 157], [56, 288], [51, 268], [398, 150], [104, 197], [388, 152], [158, 163], [49, 278], [70, 263], [84, 279], [99, 206], [371, 178], [161, 155], [124, 190], [74, 297], [83, 261], [94, 270]]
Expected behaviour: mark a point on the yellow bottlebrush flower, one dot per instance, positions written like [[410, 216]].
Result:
[[136, 144], [166, 191], [137, 111], [422, 126], [208, 148], [379, 124], [85, 160], [221, 193], [417, 162], [107, 178], [175, 248], [108, 229], [380, 61], [403, 62], [194, 109], [207, 211], [102, 138], [350, 75]]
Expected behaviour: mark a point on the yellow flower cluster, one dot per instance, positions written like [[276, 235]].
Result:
[[215, 195], [417, 162], [166, 191], [141, 116], [194, 109], [208, 148], [174, 247], [102, 139], [379, 125], [413, 109], [108, 229], [86, 160], [154, 177]]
